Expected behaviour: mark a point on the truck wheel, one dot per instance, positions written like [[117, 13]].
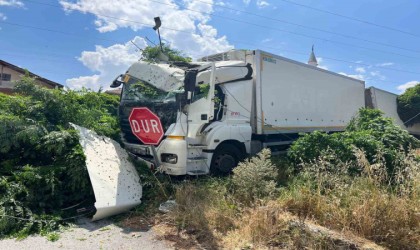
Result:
[[225, 159]]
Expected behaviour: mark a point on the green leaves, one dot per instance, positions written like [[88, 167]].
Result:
[[369, 132], [151, 54], [255, 178], [42, 165], [409, 105]]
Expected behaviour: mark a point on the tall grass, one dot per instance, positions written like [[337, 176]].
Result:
[[374, 205]]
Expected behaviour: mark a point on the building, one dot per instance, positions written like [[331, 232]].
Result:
[[10, 73], [312, 58], [114, 91]]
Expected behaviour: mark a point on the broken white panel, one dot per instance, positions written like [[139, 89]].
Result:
[[115, 181]]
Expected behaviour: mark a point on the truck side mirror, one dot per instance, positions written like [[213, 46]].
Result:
[[189, 81], [116, 83]]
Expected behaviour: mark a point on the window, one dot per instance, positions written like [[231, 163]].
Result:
[[6, 77]]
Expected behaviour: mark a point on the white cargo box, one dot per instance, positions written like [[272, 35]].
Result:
[[295, 97], [387, 102]]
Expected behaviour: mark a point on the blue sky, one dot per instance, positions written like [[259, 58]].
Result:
[[87, 42]]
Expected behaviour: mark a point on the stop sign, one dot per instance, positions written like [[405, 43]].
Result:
[[146, 126]]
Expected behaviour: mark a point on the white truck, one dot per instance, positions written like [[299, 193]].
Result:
[[226, 106]]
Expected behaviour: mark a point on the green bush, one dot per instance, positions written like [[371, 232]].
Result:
[[369, 132], [42, 165], [150, 54], [255, 178], [56, 108], [409, 105]]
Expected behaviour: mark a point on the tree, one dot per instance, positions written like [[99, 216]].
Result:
[[150, 54], [409, 105], [42, 164]]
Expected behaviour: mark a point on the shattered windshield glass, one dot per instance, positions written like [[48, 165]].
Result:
[[138, 93], [138, 90]]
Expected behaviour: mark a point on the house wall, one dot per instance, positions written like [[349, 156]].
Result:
[[7, 86]]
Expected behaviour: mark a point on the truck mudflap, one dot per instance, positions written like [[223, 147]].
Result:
[[114, 179]]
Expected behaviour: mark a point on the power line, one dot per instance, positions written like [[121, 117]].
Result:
[[188, 32], [286, 31], [241, 21], [56, 31], [28, 56], [151, 25], [412, 118], [352, 18], [329, 58], [309, 27]]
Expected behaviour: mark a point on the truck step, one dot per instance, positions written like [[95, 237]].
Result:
[[198, 158], [196, 172], [198, 146]]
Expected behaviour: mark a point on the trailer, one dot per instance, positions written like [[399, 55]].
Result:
[[387, 103], [291, 97]]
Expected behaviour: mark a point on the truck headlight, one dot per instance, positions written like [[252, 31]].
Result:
[[169, 158]]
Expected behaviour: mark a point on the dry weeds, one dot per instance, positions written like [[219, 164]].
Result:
[[322, 209]]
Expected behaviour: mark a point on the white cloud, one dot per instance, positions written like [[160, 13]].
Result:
[[15, 3], [246, 2], [183, 29], [366, 74], [385, 64], [262, 4], [106, 63], [9, 3], [266, 40], [221, 3], [321, 65], [360, 70], [356, 76], [89, 82], [378, 75], [407, 85]]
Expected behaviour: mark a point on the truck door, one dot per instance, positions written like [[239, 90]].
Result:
[[201, 107]]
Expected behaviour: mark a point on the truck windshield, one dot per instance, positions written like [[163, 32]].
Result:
[[138, 90], [139, 93]]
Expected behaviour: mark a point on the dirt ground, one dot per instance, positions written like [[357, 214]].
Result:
[[103, 234]]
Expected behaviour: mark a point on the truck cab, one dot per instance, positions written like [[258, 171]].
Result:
[[204, 108]]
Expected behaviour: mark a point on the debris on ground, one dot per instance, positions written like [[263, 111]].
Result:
[[167, 206]]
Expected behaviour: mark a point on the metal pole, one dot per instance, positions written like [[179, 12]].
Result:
[[160, 41]]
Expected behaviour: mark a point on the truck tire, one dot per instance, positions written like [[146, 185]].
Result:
[[225, 159]]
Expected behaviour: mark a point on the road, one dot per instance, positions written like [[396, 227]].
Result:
[[103, 234]]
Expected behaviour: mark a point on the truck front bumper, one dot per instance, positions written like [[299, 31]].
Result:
[[151, 155], [177, 147]]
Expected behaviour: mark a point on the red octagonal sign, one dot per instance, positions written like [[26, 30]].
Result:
[[146, 126]]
